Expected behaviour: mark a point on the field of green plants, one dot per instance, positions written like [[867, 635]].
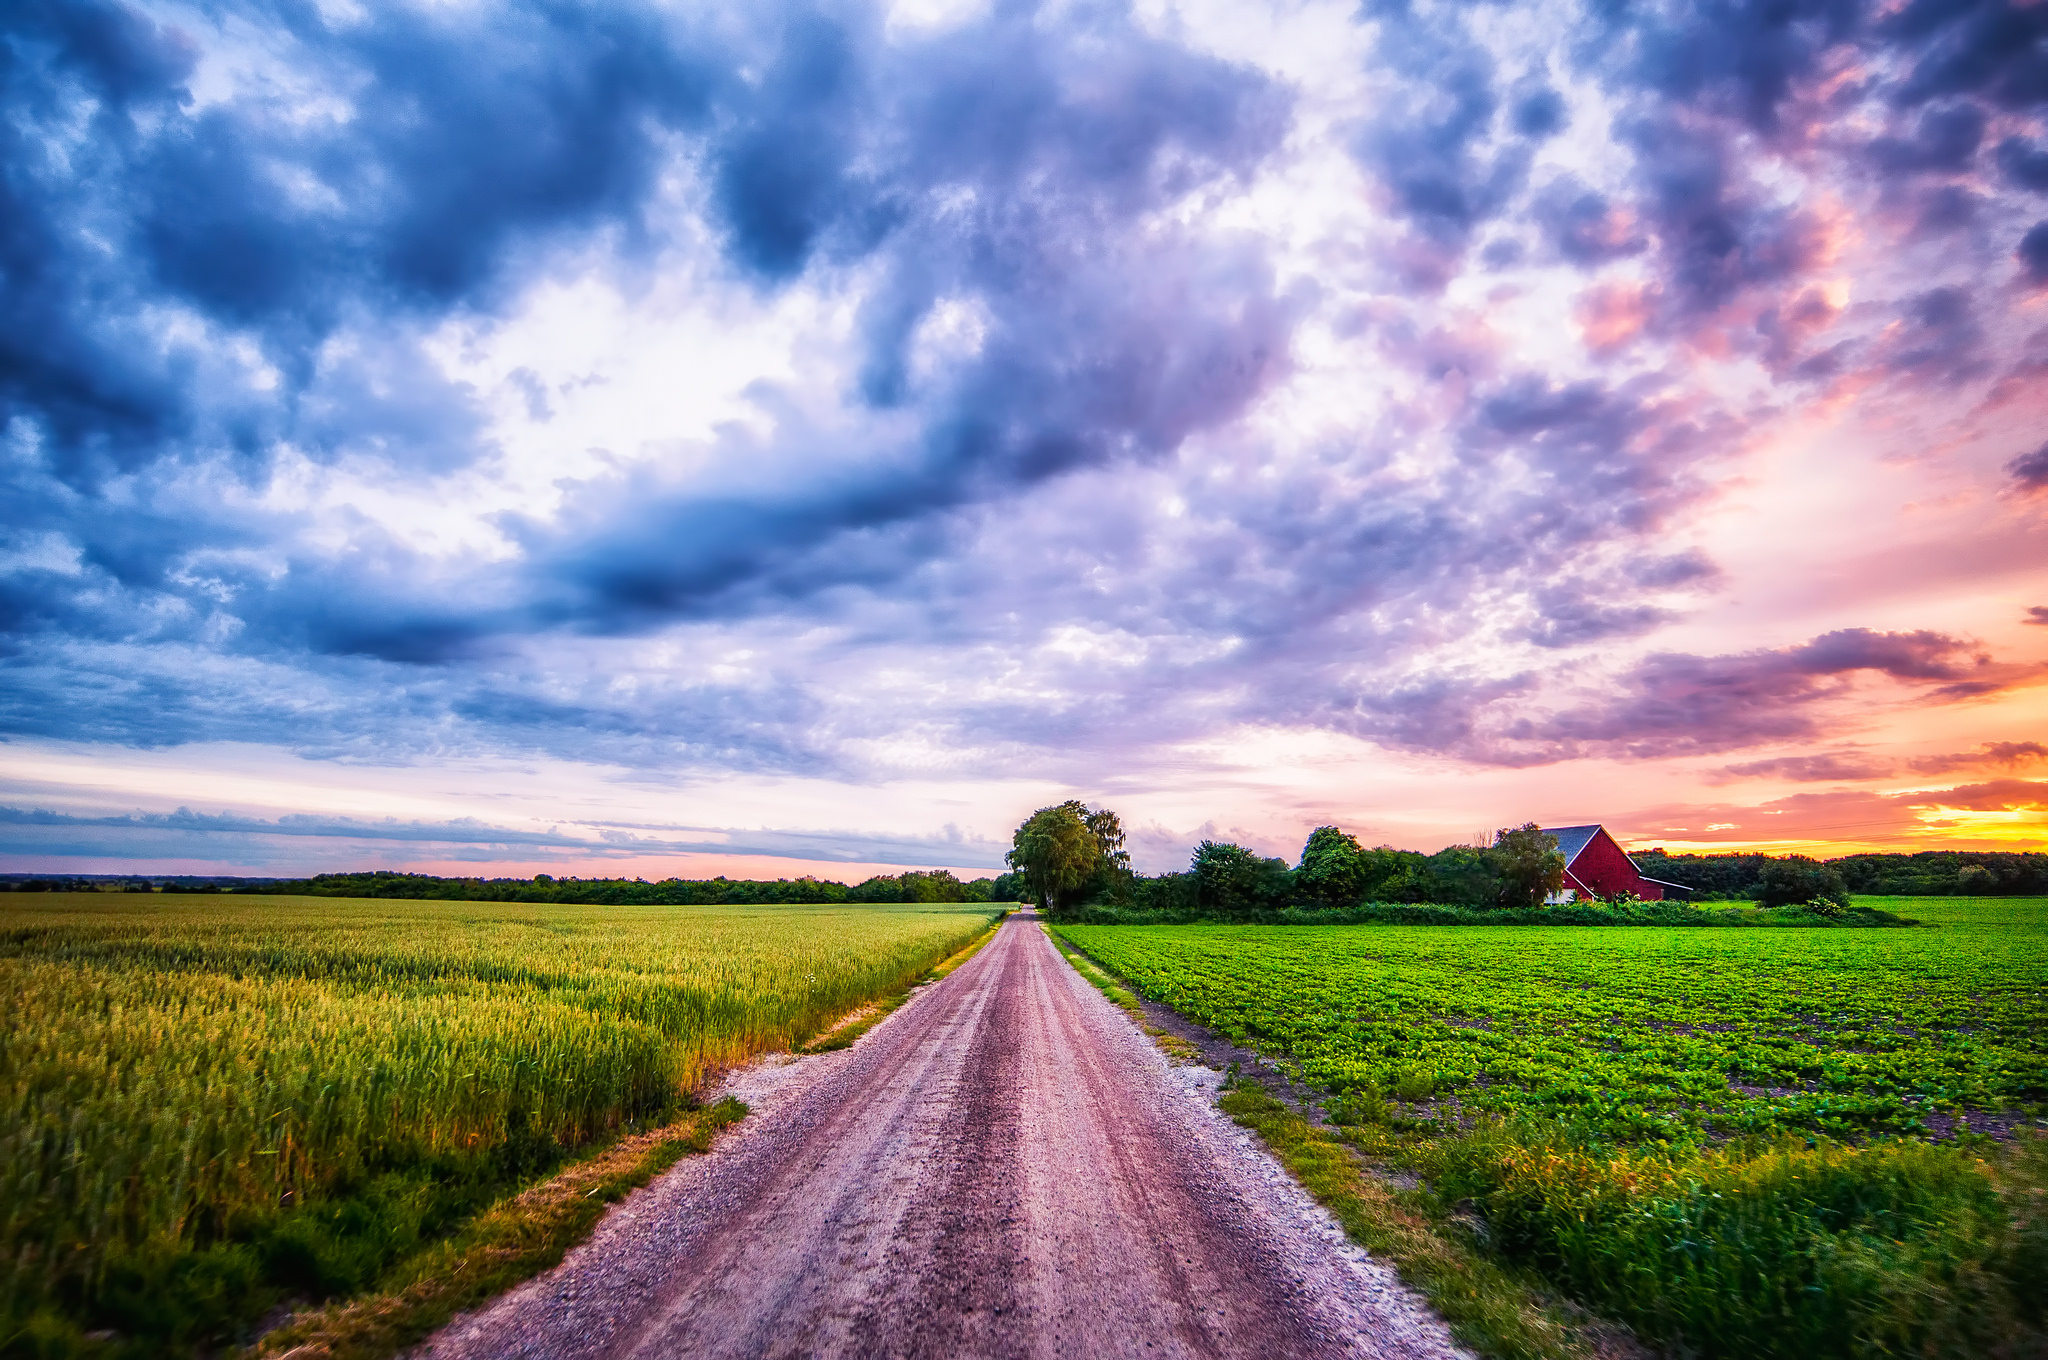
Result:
[[1732, 1140], [211, 1103], [1640, 1033]]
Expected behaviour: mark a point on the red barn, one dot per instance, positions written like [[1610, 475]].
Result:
[[1595, 866]]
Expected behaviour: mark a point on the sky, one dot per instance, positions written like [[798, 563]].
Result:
[[782, 439]]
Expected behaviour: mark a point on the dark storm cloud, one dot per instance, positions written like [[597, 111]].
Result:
[[1944, 138], [1994, 48], [2024, 162], [1712, 79], [2029, 473], [2032, 253], [1716, 237], [467, 137], [1742, 58], [1002, 164], [1940, 339], [1448, 160], [1095, 351]]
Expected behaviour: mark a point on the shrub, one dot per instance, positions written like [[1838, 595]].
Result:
[[1796, 881]]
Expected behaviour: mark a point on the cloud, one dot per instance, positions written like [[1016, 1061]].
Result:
[[1944, 138], [2036, 614], [2029, 472], [2032, 253], [1853, 766], [1941, 339], [1998, 795], [1826, 767], [1583, 226], [1010, 166], [2006, 754], [389, 185], [1672, 702], [282, 842], [2024, 162]]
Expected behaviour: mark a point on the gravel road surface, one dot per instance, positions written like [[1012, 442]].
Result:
[[1005, 1167]]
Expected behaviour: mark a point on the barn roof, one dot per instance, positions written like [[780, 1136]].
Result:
[[1572, 839]]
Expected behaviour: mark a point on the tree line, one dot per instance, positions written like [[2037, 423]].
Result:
[[1926, 873], [1072, 855], [918, 885], [1071, 859]]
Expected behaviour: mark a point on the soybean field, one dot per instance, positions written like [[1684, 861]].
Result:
[[1640, 1033], [1796, 1143], [208, 1104]]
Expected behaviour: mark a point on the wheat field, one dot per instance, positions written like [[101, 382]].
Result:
[[206, 1101]]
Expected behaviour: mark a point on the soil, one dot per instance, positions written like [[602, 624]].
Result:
[[1004, 1167]]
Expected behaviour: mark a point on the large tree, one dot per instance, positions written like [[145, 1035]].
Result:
[[1059, 852], [1112, 877], [1334, 868], [1530, 867]]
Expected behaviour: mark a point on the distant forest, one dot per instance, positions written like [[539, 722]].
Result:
[[936, 885], [1929, 873], [1459, 874]]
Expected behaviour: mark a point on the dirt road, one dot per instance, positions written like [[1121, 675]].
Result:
[[1005, 1167]]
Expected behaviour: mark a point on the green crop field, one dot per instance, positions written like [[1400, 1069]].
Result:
[[1645, 1033], [209, 1103], [1740, 1142]]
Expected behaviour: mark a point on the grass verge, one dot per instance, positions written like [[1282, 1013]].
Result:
[[843, 1034], [509, 1243], [1174, 1046], [1493, 1308]]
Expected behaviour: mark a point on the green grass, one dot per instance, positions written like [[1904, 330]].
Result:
[[211, 1104], [1579, 1096]]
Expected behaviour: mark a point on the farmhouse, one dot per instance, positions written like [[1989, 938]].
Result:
[[1596, 866]]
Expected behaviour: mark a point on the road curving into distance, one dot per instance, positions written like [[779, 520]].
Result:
[[1005, 1167]]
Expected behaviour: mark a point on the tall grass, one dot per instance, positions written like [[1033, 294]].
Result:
[[206, 1104], [1789, 1251]]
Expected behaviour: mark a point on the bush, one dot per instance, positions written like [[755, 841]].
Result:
[[1797, 881]]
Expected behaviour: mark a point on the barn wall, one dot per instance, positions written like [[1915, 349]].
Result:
[[1602, 867]]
